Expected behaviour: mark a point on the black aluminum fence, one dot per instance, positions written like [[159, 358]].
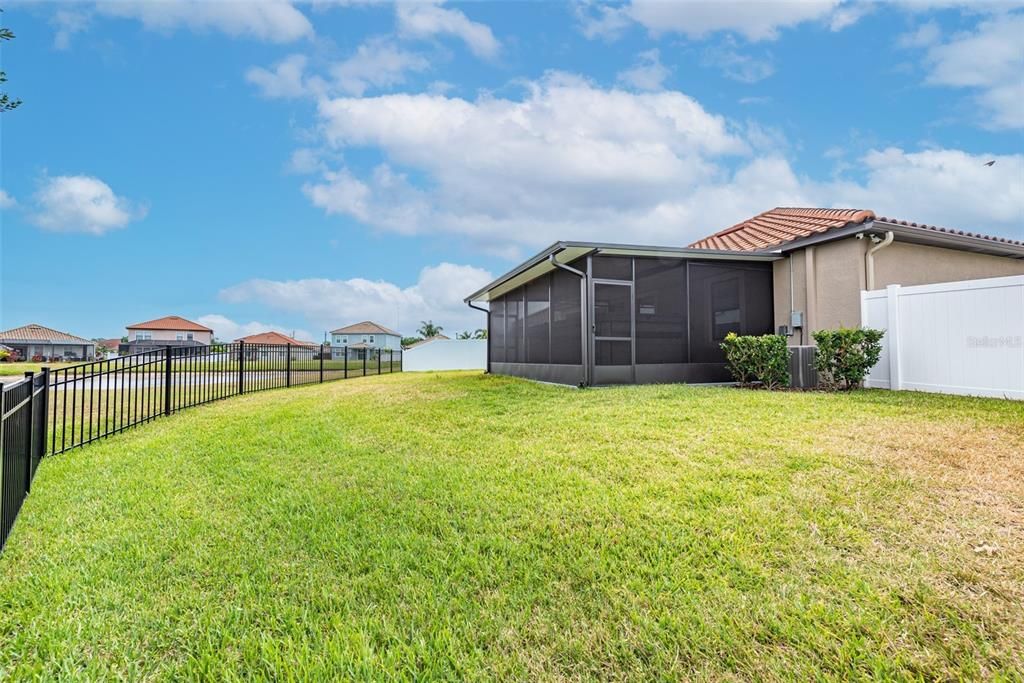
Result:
[[57, 410], [22, 444]]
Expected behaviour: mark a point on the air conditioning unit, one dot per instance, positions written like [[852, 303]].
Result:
[[802, 374]]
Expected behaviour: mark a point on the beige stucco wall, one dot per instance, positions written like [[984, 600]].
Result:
[[836, 271], [172, 335], [915, 264]]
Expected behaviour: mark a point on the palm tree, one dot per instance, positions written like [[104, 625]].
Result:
[[428, 329], [480, 334]]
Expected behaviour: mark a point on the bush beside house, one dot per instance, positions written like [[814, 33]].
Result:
[[845, 356], [760, 359]]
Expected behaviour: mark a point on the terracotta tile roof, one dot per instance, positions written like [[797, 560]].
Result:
[[109, 343], [949, 231], [365, 327], [780, 225], [38, 333], [273, 338], [171, 322]]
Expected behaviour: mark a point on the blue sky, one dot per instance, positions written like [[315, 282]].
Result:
[[301, 166]]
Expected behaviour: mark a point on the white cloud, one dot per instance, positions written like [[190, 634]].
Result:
[[925, 35], [284, 80], [328, 304], [753, 19], [943, 187], [6, 200], [82, 203], [377, 63], [647, 74], [68, 22], [570, 160], [567, 160], [990, 60], [427, 19], [737, 66], [226, 329], [275, 21]]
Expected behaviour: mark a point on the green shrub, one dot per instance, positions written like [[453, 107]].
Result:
[[763, 359], [845, 356]]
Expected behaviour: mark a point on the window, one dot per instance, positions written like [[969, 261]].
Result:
[[538, 321], [723, 299], [190, 336], [143, 336], [180, 336], [371, 338], [660, 311], [566, 319]]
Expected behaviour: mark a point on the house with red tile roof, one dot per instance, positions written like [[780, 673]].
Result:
[[363, 339], [34, 340], [273, 337], [827, 256], [589, 313], [171, 330]]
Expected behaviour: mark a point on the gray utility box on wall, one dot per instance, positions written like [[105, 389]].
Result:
[[802, 374]]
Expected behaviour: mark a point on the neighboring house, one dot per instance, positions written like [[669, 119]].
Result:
[[158, 334], [35, 340], [111, 345], [362, 338], [421, 342], [268, 345], [592, 313]]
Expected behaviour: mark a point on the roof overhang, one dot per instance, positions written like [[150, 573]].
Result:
[[913, 235], [567, 252]]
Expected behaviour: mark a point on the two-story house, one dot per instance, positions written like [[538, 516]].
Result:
[[172, 330], [363, 337]]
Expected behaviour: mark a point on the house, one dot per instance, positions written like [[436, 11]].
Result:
[[111, 346], [173, 331], [36, 341], [269, 345], [363, 338], [587, 313], [827, 256]]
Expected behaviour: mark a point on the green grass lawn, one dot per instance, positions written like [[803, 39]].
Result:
[[466, 527], [20, 368]]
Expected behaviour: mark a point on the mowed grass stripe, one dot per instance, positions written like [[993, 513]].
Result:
[[455, 526]]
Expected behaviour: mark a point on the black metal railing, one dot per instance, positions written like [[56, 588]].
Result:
[[57, 410], [22, 444]]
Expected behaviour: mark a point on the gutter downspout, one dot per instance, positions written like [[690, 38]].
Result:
[[869, 258], [584, 336], [488, 312]]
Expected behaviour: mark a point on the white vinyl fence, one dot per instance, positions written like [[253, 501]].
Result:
[[446, 354], [953, 337]]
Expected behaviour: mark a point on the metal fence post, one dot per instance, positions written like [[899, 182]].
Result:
[[288, 364], [321, 364], [167, 380], [379, 354], [30, 376], [46, 411], [364, 362], [345, 363], [241, 367]]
